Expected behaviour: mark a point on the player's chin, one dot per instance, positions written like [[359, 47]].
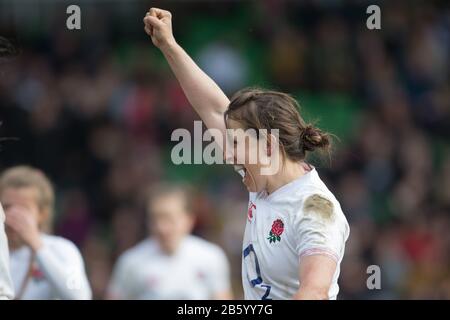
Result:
[[251, 187]]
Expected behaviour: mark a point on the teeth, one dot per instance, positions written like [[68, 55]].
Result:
[[240, 169]]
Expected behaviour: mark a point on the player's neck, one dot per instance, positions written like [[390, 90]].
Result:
[[289, 171], [169, 250]]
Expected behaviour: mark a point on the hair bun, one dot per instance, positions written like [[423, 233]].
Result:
[[7, 49], [313, 138]]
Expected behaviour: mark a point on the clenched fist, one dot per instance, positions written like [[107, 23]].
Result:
[[158, 25]]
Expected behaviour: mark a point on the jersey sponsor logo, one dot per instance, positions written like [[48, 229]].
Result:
[[250, 211], [276, 231]]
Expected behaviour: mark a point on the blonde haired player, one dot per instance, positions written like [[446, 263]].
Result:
[[43, 266], [7, 50], [171, 264], [296, 231]]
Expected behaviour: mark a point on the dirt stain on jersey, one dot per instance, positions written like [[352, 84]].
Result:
[[320, 206]]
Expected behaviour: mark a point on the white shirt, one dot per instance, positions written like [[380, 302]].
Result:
[[197, 270], [6, 287], [270, 263], [58, 271]]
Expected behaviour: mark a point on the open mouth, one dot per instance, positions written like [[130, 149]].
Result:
[[241, 170]]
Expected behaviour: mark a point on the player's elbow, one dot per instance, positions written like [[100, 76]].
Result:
[[312, 292], [223, 295]]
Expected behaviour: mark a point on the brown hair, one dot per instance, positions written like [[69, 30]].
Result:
[[167, 188], [7, 49], [28, 177], [264, 109]]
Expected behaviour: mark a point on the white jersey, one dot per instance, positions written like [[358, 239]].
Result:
[[57, 273], [197, 270], [285, 226], [6, 287]]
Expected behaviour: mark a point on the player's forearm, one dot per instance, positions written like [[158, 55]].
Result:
[[69, 282], [224, 295], [202, 92], [315, 275], [311, 293]]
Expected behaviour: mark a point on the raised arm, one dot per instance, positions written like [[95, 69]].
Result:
[[203, 93]]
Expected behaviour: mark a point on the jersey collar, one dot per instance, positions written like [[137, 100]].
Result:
[[291, 186]]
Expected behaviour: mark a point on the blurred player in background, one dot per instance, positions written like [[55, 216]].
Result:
[[172, 264], [296, 231], [6, 287], [43, 266]]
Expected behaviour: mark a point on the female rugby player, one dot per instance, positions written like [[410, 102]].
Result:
[[296, 231], [43, 266]]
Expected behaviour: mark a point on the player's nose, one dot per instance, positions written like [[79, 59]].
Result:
[[229, 155]]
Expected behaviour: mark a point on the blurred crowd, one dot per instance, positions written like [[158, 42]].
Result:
[[95, 110]]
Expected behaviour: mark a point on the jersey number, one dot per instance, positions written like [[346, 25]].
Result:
[[257, 281]]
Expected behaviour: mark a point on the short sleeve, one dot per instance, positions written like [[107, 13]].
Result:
[[319, 229]]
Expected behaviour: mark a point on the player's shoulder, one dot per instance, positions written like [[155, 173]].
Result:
[[319, 194], [320, 203], [58, 242], [316, 186], [319, 199], [203, 247], [62, 246], [314, 196], [143, 248]]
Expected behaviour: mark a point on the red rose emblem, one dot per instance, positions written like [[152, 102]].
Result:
[[277, 227], [250, 211], [276, 231]]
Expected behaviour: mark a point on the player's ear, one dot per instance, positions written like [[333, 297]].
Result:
[[272, 144]]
